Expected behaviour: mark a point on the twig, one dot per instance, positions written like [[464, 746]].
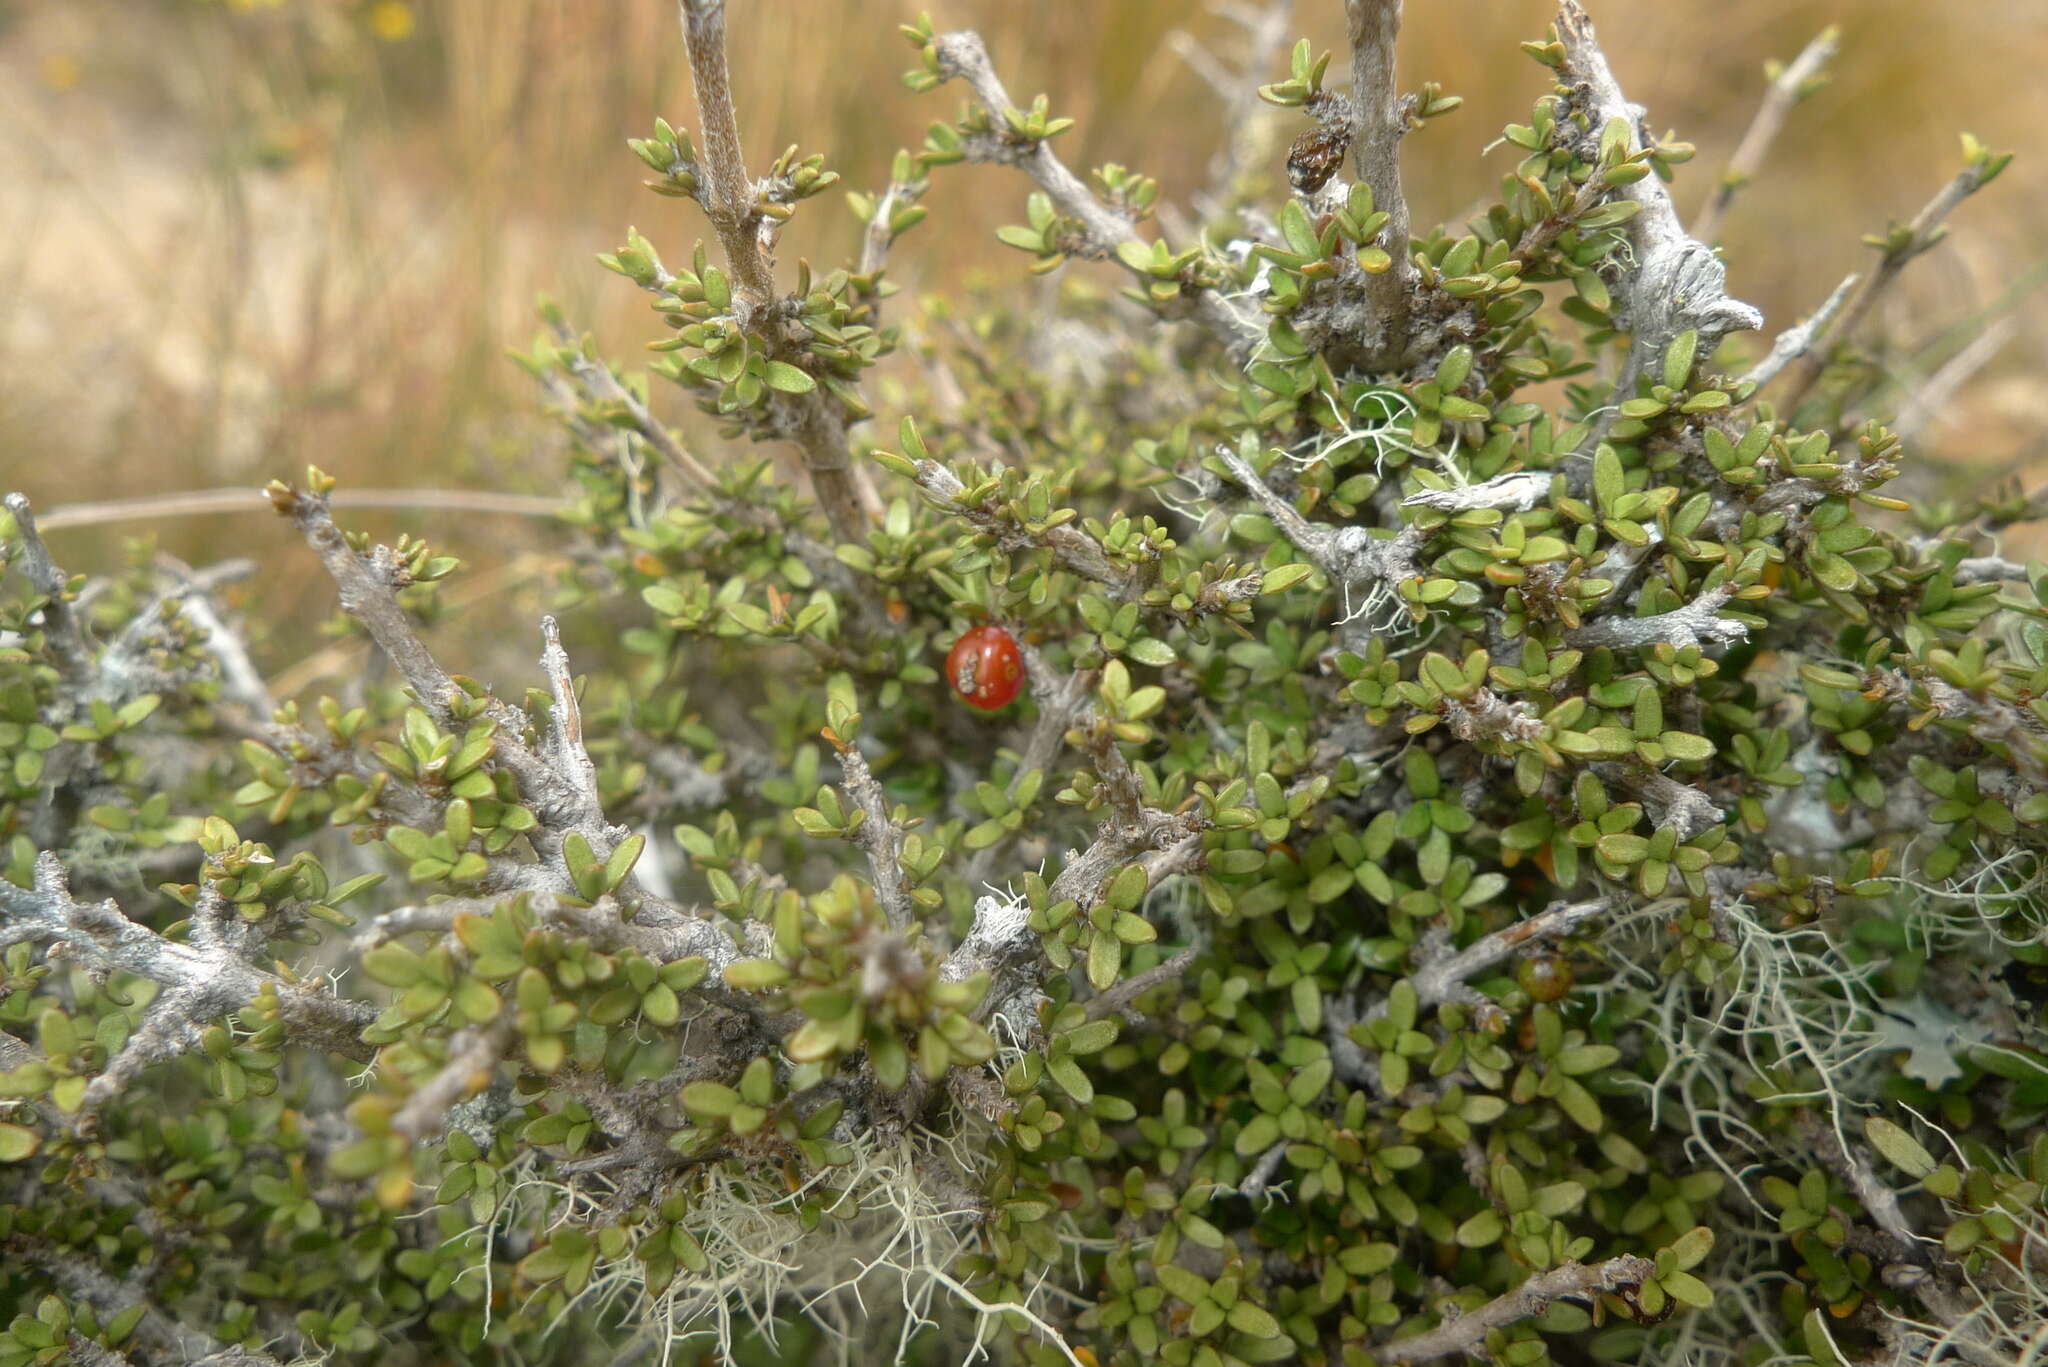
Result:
[[240, 678], [1675, 804], [1930, 397], [604, 385], [1063, 700], [1881, 1203], [1074, 548], [1920, 235], [1120, 997], [1795, 342], [564, 743], [101, 936], [65, 632], [1569, 1281], [1348, 555], [880, 837], [964, 56], [1520, 491], [87, 1353], [1373, 26], [473, 1056], [202, 502], [1677, 284], [1259, 1180], [1697, 623], [563, 799], [165, 1338], [729, 199], [1439, 981], [813, 420], [1791, 85]]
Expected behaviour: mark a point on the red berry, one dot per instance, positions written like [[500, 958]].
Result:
[[985, 668]]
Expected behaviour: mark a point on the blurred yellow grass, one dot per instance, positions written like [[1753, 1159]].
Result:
[[236, 238]]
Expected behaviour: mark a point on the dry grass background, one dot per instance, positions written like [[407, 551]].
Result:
[[236, 237]]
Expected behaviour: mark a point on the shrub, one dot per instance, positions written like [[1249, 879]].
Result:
[[1509, 841]]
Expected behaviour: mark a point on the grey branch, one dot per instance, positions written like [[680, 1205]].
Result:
[[208, 982], [65, 632], [240, 679], [207, 502], [1348, 555], [1921, 234], [1795, 342], [601, 386], [1519, 491], [964, 56], [559, 786], [1673, 803], [1259, 1180], [604, 386], [1677, 284], [473, 1056], [1373, 27], [1439, 980], [1064, 702], [731, 200], [1980, 569], [1881, 1203], [1931, 397], [1570, 1281], [1075, 549], [565, 753], [90, 1354], [1791, 85], [1697, 623], [1119, 998], [164, 1338], [880, 837]]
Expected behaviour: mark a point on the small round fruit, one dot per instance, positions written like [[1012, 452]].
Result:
[[985, 667], [1545, 977]]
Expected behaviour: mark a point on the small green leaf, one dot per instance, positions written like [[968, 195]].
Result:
[[1900, 1149], [17, 1142], [787, 378]]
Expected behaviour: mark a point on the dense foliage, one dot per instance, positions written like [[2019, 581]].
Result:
[[1513, 842]]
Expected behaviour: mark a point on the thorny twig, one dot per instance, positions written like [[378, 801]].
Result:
[[1442, 979], [1348, 555], [556, 782]]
